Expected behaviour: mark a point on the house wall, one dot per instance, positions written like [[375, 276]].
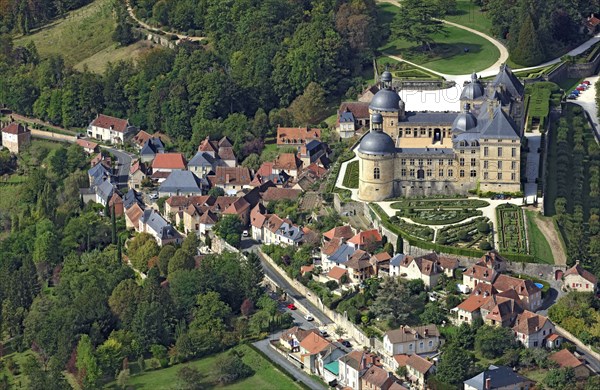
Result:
[[577, 283], [135, 180], [348, 376], [103, 134], [419, 381], [536, 340], [418, 346]]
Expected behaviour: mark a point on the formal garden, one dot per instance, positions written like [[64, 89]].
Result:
[[473, 234], [438, 216], [439, 203], [351, 176], [512, 236], [539, 98], [419, 231]]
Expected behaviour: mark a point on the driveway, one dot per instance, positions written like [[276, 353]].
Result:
[[587, 100], [123, 164]]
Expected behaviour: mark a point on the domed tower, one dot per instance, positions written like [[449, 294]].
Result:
[[473, 91], [465, 121], [376, 153], [388, 103]]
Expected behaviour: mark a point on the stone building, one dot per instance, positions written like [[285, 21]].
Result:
[[15, 136], [427, 153]]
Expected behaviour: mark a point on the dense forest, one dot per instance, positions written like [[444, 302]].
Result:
[[538, 29], [263, 58], [23, 16]]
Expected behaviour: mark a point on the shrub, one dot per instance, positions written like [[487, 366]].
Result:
[[485, 245], [464, 235], [483, 227]]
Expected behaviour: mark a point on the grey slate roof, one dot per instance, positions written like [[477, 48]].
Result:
[[507, 79], [386, 100], [499, 377], [465, 121], [181, 182], [473, 90], [341, 255], [377, 142], [202, 159], [346, 116], [396, 260], [501, 126], [157, 223], [430, 117], [152, 147], [98, 173], [290, 231], [132, 197], [313, 144], [105, 190]]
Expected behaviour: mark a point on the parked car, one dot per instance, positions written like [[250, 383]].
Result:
[[309, 317], [572, 97], [587, 82], [323, 332], [581, 89], [346, 343], [245, 233], [575, 92], [291, 306], [153, 196]]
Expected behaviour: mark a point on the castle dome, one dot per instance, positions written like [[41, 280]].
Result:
[[376, 118], [386, 100], [473, 90], [386, 76], [465, 121], [377, 142]]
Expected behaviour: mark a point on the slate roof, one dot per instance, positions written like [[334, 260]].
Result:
[[156, 222], [508, 80], [152, 146], [342, 254], [98, 173], [105, 190], [181, 182], [500, 127], [131, 198], [499, 377], [202, 159], [430, 117], [346, 117], [397, 259]]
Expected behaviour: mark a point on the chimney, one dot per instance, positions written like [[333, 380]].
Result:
[[576, 262], [537, 328], [426, 332], [227, 178], [488, 383], [347, 257]]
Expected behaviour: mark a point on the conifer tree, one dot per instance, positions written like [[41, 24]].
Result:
[[529, 50]]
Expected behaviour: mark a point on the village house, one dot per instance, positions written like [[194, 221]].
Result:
[[181, 183], [360, 113], [88, 146], [140, 139], [530, 294], [115, 204], [288, 163], [110, 129], [334, 254], [137, 174], [353, 365], [498, 378], [151, 148], [577, 278], [276, 230], [494, 261], [133, 215], [532, 329], [469, 309], [231, 179], [477, 274], [15, 137], [314, 152], [290, 339], [153, 223], [409, 340], [359, 266], [104, 192], [296, 136], [168, 162], [240, 208], [501, 309], [368, 240], [309, 348], [376, 378], [267, 172], [275, 193], [346, 124], [565, 358], [418, 370], [428, 271]]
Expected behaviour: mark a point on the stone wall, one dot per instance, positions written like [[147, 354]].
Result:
[[347, 208], [52, 136]]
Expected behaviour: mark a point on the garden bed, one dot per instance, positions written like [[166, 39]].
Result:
[[467, 235], [438, 203], [511, 229], [422, 232], [438, 216], [351, 176]]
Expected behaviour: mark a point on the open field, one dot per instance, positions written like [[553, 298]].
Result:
[[538, 244], [83, 36], [448, 55], [266, 375], [470, 15]]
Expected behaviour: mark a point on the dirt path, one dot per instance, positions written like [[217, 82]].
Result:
[[547, 228], [27, 119]]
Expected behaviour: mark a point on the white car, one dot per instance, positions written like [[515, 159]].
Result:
[[153, 196], [309, 317], [245, 233], [323, 332]]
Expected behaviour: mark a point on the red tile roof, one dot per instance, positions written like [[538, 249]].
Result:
[[274, 193], [230, 175], [366, 237], [86, 144], [564, 358], [344, 232], [141, 137], [522, 287], [337, 273], [419, 364], [577, 269], [331, 246], [316, 169], [382, 256], [207, 146], [529, 323], [480, 272], [169, 161], [473, 303], [401, 359], [313, 343], [15, 128], [307, 268], [296, 135], [134, 213], [360, 110], [108, 122], [287, 161]]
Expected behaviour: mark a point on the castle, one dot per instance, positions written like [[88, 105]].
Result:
[[430, 153]]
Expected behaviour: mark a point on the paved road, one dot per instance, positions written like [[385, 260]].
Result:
[[123, 164], [300, 375]]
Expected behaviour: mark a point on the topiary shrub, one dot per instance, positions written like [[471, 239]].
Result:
[[483, 227], [464, 235], [485, 246]]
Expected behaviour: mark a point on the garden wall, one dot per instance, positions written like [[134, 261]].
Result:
[[52, 136], [347, 208]]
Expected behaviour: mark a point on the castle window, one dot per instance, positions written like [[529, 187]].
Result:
[[485, 164], [461, 162], [513, 176], [499, 152], [499, 175], [450, 162], [485, 175], [474, 143], [429, 161], [513, 165], [403, 172], [450, 173], [411, 173], [486, 151], [420, 161], [462, 151], [463, 143], [441, 162], [473, 151], [473, 162], [376, 173], [462, 173], [391, 123], [412, 161], [514, 152], [400, 134], [407, 131], [429, 172], [473, 173], [441, 173], [422, 131], [403, 161], [499, 164]]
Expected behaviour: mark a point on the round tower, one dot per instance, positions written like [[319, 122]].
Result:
[[376, 153], [388, 103]]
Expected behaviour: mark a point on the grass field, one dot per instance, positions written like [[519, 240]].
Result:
[[266, 375], [448, 55], [538, 245], [83, 36], [98, 61], [470, 15]]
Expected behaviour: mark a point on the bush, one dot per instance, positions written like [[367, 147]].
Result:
[[483, 227], [485, 246], [232, 368]]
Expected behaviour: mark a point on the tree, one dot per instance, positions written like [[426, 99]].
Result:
[[446, 7], [182, 260], [308, 108], [87, 363], [216, 191], [247, 307], [399, 244], [465, 336], [252, 161], [397, 302], [418, 22], [164, 256], [433, 314], [560, 379], [141, 248], [190, 378], [124, 299], [491, 342], [110, 356], [232, 368], [455, 365], [211, 313], [529, 49], [229, 228]]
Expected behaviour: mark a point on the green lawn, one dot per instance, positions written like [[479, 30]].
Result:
[[266, 375], [538, 245], [83, 36], [470, 15], [351, 177], [448, 55]]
